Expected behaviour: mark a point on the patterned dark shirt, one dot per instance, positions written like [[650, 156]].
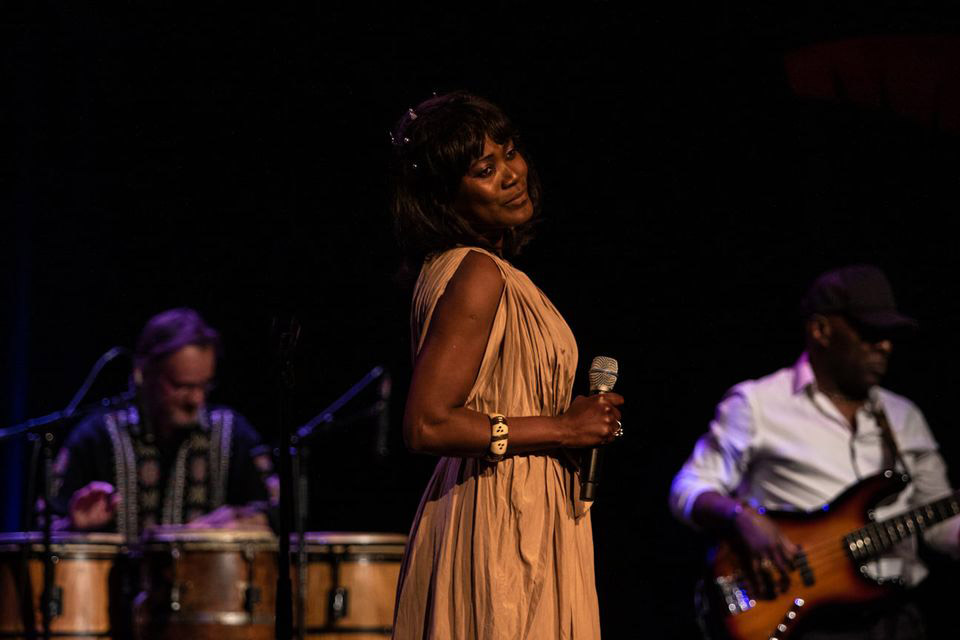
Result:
[[218, 461]]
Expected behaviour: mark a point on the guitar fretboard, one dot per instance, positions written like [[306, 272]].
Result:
[[878, 537]]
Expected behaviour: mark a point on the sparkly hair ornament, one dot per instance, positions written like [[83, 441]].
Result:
[[397, 139]]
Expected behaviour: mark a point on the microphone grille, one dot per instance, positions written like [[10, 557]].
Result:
[[603, 373]]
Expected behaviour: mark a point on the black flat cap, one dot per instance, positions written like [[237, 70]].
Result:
[[859, 292]]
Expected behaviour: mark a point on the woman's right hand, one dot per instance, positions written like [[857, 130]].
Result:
[[591, 420]]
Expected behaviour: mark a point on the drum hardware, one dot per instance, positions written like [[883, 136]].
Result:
[[42, 432], [55, 598], [176, 584], [251, 593], [175, 597], [293, 458], [85, 592], [338, 603], [198, 584], [354, 576], [251, 597], [206, 583], [56, 602]]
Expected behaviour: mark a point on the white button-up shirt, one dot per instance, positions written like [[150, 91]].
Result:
[[780, 443]]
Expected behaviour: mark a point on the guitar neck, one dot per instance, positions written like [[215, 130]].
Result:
[[877, 538]]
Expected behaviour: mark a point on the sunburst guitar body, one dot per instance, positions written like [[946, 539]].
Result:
[[836, 543]]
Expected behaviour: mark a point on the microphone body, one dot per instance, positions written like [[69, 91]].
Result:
[[603, 375]]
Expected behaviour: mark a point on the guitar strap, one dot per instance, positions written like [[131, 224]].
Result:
[[887, 434]]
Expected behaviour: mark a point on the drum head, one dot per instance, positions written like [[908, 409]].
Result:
[[341, 543], [187, 537], [63, 542], [346, 537]]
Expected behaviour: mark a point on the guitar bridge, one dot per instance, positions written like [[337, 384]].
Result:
[[735, 595]]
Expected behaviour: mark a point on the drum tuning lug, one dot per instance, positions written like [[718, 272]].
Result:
[[338, 603], [56, 602], [175, 597], [251, 597]]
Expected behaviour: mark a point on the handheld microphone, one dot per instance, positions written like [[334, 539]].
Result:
[[603, 375]]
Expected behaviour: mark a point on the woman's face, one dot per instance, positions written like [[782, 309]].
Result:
[[493, 193]]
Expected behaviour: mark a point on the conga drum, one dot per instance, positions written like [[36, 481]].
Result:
[[88, 580], [205, 583], [351, 584]]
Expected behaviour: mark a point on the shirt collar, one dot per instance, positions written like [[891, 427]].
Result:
[[805, 381], [803, 378], [140, 424]]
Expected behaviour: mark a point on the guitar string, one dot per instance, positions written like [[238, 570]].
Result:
[[817, 567], [819, 554], [822, 543], [825, 561], [821, 557], [916, 530], [821, 562], [842, 545]]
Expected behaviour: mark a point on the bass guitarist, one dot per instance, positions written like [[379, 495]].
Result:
[[797, 439]]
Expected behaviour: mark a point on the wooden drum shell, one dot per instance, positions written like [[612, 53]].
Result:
[[207, 584], [87, 572], [201, 584], [365, 567]]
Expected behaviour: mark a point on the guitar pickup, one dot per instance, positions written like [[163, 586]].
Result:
[[801, 564]]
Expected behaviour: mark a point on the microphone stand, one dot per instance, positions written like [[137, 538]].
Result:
[[42, 429], [322, 422], [286, 346]]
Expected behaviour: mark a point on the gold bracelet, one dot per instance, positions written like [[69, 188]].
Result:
[[499, 430]]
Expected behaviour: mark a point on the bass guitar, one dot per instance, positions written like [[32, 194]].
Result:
[[836, 542]]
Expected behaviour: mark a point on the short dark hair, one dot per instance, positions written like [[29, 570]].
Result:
[[171, 330], [434, 146]]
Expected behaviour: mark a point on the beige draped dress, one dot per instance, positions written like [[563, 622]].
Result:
[[502, 551]]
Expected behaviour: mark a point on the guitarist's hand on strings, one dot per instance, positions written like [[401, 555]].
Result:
[[766, 547], [765, 544]]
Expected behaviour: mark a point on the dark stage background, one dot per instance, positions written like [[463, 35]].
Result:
[[701, 166]]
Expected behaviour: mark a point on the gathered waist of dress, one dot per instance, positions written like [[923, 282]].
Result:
[[568, 458]]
